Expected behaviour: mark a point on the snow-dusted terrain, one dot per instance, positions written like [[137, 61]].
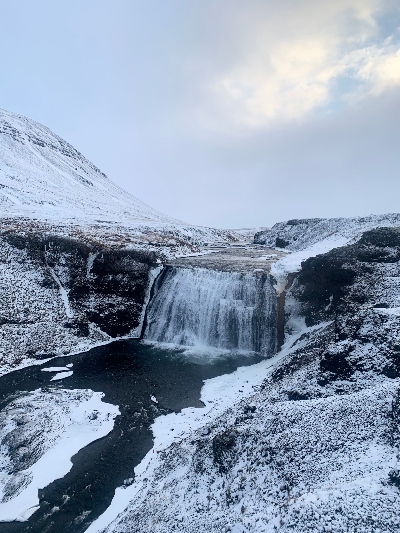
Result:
[[309, 442], [299, 234], [39, 433]]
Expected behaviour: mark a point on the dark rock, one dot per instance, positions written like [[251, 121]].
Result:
[[249, 409], [223, 449], [337, 365], [281, 243], [297, 396], [381, 237]]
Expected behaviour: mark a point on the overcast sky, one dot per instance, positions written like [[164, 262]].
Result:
[[226, 113]]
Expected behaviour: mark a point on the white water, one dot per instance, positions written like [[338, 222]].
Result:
[[200, 307]]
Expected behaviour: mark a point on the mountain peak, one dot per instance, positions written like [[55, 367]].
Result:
[[42, 176]]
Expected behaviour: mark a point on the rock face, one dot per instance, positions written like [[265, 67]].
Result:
[[318, 451], [60, 295]]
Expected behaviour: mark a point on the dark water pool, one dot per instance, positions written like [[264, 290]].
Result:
[[128, 372]]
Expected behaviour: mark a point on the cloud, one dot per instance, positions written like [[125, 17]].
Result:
[[304, 59]]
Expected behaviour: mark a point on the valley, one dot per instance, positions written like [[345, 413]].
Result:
[[157, 376]]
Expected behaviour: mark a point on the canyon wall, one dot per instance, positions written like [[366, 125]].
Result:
[[60, 295]]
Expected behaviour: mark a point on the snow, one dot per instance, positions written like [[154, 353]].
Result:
[[292, 262], [67, 420], [63, 294], [217, 395], [388, 311], [54, 368], [62, 375]]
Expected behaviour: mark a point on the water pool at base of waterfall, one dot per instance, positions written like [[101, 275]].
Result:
[[144, 381]]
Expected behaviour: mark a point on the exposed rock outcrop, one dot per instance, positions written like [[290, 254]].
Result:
[[60, 295]]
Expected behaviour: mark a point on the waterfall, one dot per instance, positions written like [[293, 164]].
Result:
[[201, 307]]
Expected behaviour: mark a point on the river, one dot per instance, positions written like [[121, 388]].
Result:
[[128, 372]]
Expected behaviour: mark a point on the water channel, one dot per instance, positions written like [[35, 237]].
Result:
[[128, 372]]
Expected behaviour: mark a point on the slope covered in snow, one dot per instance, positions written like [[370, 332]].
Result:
[[43, 176], [316, 446], [299, 234]]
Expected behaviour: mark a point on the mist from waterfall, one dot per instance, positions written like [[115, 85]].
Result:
[[208, 308]]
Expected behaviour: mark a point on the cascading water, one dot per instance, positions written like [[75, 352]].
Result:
[[201, 307]]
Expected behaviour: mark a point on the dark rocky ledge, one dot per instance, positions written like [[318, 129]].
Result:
[[62, 294]]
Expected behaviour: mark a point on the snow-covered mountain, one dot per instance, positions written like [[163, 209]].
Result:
[[43, 176]]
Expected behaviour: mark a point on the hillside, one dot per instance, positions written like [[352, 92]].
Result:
[[43, 176]]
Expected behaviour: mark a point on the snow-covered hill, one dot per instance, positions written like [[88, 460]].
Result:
[[298, 234], [41, 175]]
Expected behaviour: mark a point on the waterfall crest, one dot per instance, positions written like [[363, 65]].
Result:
[[201, 307]]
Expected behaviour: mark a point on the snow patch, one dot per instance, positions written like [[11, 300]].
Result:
[[68, 421], [54, 368], [62, 375]]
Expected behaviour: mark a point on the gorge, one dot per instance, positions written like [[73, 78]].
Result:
[[159, 377]]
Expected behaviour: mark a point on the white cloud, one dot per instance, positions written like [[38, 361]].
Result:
[[307, 58]]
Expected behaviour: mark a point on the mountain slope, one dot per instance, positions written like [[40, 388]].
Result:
[[41, 175]]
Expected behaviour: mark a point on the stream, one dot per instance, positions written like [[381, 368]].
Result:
[[128, 372]]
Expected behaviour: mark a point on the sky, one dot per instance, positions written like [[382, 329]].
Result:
[[222, 113]]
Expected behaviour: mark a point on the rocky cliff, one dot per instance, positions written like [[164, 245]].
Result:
[[60, 295]]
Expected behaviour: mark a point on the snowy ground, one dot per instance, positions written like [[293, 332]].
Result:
[[248, 462], [39, 433], [308, 441]]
